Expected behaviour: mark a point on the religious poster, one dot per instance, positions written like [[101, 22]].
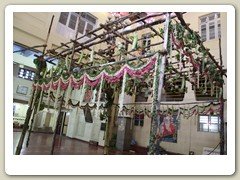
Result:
[[88, 96], [167, 128]]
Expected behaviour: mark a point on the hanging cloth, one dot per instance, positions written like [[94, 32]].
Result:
[[66, 61]]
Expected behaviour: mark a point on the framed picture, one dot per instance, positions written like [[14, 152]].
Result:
[[167, 127], [22, 89]]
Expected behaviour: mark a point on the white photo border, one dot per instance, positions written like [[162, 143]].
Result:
[[119, 164]]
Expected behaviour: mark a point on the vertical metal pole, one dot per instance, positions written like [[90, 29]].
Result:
[[153, 146]]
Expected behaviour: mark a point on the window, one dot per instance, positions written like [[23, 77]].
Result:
[[139, 119], [209, 123], [26, 74], [70, 23], [146, 42], [63, 18], [210, 26]]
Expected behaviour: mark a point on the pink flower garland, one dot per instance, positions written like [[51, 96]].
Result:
[[94, 81]]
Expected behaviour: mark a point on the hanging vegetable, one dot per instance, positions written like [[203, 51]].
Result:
[[205, 84], [198, 76], [80, 58], [135, 40], [183, 84], [66, 61], [91, 55], [203, 66]]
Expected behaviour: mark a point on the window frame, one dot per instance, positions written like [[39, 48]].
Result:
[[216, 21], [209, 123], [139, 119]]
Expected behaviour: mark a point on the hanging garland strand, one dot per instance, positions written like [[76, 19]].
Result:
[[95, 80], [186, 110], [121, 96]]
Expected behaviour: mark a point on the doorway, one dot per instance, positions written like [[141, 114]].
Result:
[[63, 123]]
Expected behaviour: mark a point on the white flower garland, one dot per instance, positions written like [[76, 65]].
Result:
[[121, 97], [99, 98]]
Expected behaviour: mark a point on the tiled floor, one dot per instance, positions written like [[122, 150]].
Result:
[[40, 144]]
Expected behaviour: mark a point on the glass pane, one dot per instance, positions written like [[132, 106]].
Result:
[[89, 17], [63, 18], [213, 128], [73, 21], [203, 119], [204, 19], [81, 26], [214, 119], [26, 74], [205, 127], [211, 17], [211, 30], [88, 29], [136, 122], [203, 32]]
